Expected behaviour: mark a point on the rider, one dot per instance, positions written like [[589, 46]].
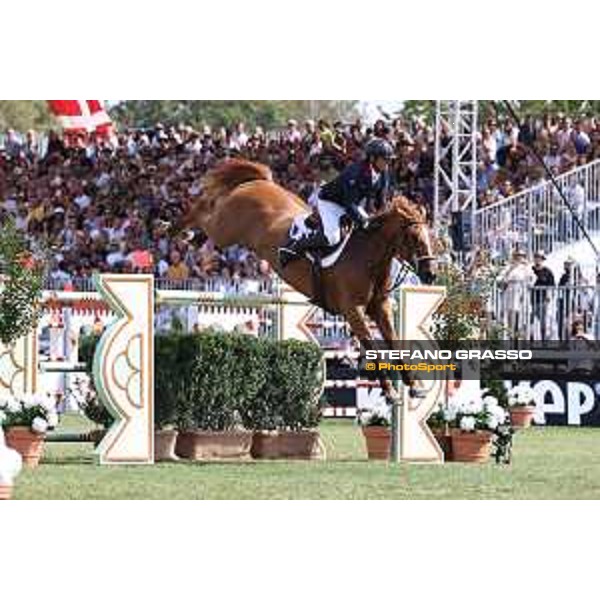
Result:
[[360, 186]]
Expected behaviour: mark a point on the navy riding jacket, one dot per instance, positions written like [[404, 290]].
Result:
[[354, 184]]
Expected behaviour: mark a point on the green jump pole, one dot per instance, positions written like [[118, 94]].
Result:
[[69, 437]]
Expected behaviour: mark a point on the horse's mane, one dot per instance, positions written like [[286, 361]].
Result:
[[226, 176], [399, 207]]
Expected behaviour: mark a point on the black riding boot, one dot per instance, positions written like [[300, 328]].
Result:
[[296, 248]]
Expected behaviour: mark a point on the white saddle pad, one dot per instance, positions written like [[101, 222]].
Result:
[[299, 228]]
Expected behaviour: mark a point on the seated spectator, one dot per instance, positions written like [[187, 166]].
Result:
[[177, 269]]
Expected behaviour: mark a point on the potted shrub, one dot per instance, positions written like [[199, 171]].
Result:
[[212, 391], [90, 403], [521, 403], [474, 423], [168, 374], [439, 427], [376, 429], [95, 411], [286, 412], [25, 420], [21, 281], [10, 465]]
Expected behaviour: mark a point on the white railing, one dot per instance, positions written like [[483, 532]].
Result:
[[246, 286], [537, 218], [543, 313], [193, 303]]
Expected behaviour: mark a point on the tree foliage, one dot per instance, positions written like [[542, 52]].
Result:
[[22, 115], [495, 108], [21, 279], [225, 113]]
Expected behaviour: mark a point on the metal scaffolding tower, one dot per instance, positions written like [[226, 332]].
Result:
[[455, 159]]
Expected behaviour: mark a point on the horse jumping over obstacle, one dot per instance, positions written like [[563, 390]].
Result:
[[241, 204]]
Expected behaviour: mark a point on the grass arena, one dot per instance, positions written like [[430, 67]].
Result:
[[571, 470]]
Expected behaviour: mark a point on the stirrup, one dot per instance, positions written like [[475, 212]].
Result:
[[286, 255]]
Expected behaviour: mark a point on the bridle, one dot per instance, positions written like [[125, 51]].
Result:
[[419, 259], [393, 250]]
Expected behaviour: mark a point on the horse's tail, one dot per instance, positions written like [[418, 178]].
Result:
[[220, 181]]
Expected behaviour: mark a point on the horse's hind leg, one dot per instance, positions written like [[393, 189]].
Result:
[[358, 324], [382, 313]]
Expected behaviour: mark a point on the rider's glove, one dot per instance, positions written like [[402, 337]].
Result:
[[359, 216]]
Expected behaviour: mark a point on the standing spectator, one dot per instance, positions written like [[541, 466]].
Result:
[[12, 144], [578, 202], [292, 134], [567, 297], [563, 133], [31, 146], [516, 281], [581, 139], [540, 299], [239, 139], [581, 343]]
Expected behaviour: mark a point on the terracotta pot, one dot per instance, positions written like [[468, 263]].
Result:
[[214, 445], [5, 491], [379, 440], [28, 444], [164, 445], [444, 439], [287, 444], [521, 416], [471, 446]]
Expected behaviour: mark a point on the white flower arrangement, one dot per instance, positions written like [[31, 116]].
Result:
[[468, 423], [376, 416], [39, 425], [521, 395], [37, 411], [481, 413]]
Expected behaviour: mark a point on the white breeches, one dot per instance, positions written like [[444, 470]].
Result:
[[331, 213]]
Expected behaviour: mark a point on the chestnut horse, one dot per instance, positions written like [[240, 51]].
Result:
[[241, 204]]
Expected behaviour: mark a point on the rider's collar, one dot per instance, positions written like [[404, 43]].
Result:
[[375, 174]]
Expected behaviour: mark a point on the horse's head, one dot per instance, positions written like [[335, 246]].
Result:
[[410, 238]]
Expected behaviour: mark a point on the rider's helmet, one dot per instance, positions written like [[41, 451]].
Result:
[[379, 148]]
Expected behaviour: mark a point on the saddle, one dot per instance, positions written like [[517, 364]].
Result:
[[322, 256]]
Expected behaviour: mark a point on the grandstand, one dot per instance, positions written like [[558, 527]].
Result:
[[102, 204]]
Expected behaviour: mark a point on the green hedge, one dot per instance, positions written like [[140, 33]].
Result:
[[289, 398], [219, 381]]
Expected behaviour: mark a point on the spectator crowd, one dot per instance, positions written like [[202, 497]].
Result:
[[114, 204]]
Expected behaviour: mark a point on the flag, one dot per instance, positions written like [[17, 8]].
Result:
[[77, 116]]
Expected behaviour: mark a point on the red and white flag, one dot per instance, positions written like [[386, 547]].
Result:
[[82, 116]]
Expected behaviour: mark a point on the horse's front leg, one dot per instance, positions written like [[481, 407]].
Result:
[[382, 313], [358, 324]]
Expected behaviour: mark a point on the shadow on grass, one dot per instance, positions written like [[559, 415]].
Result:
[[68, 460]]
